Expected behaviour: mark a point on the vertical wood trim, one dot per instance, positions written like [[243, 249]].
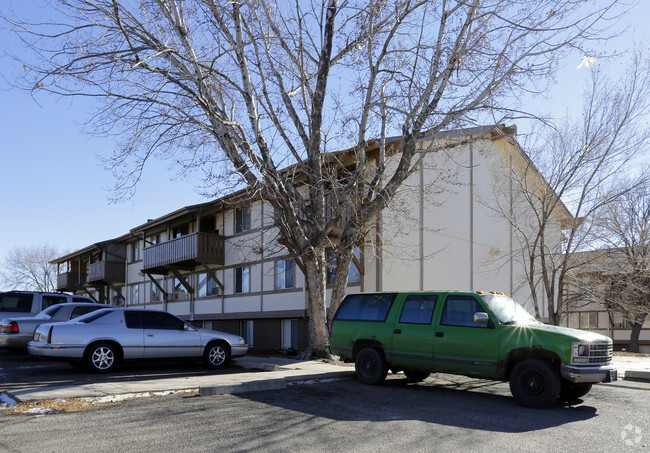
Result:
[[422, 226], [379, 254], [262, 257], [471, 217], [511, 231]]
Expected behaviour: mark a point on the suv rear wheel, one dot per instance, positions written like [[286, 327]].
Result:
[[370, 366]]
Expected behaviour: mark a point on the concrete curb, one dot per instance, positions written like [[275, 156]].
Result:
[[253, 386], [276, 374], [642, 376], [292, 375]]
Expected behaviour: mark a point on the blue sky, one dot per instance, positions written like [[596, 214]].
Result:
[[53, 188]]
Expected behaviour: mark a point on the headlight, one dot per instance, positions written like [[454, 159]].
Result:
[[580, 353]]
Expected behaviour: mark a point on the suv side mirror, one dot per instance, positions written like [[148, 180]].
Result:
[[481, 318]]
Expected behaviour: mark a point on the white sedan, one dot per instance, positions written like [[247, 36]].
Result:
[[15, 333], [107, 337]]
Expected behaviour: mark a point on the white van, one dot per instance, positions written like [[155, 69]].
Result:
[[29, 303]]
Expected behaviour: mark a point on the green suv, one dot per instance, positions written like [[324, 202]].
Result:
[[479, 334]]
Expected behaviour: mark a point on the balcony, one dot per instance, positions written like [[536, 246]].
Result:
[[106, 273], [70, 281], [184, 253]]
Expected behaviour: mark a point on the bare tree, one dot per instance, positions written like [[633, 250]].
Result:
[[269, 88], [29, 268], [583, 167], [625, 229]]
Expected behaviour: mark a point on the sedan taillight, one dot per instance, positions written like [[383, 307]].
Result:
[[12, 327]]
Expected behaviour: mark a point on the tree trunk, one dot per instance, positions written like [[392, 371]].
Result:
[[343, 260], [316, 281], [634, 337]]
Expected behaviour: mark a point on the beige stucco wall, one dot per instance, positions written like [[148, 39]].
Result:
[[443, 229]]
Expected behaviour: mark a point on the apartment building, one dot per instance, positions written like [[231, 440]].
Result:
[[595, 301], [221, 264]]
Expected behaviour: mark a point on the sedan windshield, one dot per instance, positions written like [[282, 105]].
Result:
[[507, 310], [48, 312], [92, 316]]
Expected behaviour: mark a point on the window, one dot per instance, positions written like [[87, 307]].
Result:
[[208, 225], [242, 279], [365, 307], [48, 312], [153, 240], [418, 309], [82, 299], [242, 219], [135, 251], [207, 286], [79, 311], [161, 321], [246, 329], [156, 294], [620, 322], [94, 316], [16, 303], [52, 300], [179, 290], [459, 311], [210, 325], [133, 319], [289, 333], [284, 274], [354, 276], [96, 257], [589, 320], [63, 268], [135, 295], [180, 231]]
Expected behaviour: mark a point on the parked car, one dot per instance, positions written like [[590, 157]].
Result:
[[104, 338], [31, 303], [480, 334], [16, 332]]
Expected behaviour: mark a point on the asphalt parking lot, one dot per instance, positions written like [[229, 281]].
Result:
[[443, 413], [29, 378]]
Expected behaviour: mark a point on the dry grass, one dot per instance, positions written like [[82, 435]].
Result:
[[55, 406], [69, 405]]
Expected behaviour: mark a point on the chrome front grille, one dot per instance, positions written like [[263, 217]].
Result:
[[601, 353]]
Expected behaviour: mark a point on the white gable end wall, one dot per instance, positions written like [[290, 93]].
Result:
[[443, 229]]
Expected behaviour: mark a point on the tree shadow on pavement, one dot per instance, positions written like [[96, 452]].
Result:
[[468, 403]]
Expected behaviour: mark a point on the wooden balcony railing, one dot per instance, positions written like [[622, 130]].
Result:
[[185, 252], [70, 281], [104, 272]]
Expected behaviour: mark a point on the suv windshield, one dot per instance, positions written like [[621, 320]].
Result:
[[507, 310]]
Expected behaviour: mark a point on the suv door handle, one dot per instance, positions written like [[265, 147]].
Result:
[[440, 334], [397, 331]]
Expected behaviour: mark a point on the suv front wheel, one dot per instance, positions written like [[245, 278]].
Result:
[[370, 366], [534, 383]]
